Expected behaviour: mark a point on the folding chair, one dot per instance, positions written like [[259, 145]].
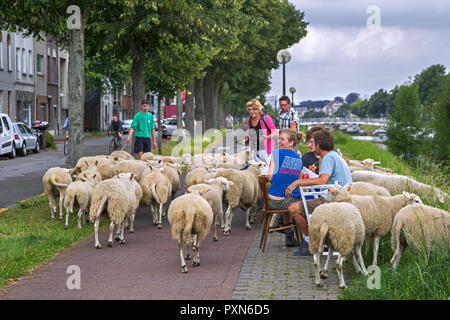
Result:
[[312, 192], [268, 214]]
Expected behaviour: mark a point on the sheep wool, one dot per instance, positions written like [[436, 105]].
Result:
[[420, 227], [190, 217], [56, 181]]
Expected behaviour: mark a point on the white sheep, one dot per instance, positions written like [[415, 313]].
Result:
[[243, 193], [398, 183], [138, 167], [195, 176], [156, 190], [366, 164], [122, 155], [218, 187], [174, 178], [190, 217], [138, 195], [340, 227], [420, 227], [118, 197], [55, 182], [367, 188], [377, 212], [80, 191]]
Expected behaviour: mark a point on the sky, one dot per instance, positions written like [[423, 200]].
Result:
[[349, 47]]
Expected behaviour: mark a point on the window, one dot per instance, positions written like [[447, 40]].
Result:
[[30, 63], [1, 50], [18, 64], [39, 63], [8, 52], [42, 112], [24, 63]]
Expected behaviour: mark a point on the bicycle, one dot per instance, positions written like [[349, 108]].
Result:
[[115, 143]]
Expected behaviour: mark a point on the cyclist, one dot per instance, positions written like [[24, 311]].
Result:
[[66, 127], [116, 126]]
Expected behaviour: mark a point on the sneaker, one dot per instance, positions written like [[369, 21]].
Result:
[[290, 239], [303, 250]]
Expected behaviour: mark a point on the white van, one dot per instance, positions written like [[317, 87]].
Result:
[[6, 137]]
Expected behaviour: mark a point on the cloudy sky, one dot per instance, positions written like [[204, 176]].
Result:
[[341, 54]]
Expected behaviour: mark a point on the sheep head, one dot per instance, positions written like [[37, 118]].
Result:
[[336, 193], [411, 198]]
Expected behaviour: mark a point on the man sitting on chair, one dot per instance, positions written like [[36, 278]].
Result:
[[333, 169]]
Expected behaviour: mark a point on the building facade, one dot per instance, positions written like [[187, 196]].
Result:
[[7, 93]]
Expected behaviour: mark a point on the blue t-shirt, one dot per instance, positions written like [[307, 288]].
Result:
[[336, 168], [286, 173]]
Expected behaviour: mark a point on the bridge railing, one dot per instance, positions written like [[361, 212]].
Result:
[[342, 120]]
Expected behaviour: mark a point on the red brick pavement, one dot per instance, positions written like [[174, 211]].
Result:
[[146, 267]]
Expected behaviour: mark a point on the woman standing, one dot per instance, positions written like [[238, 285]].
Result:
[[260, 133]]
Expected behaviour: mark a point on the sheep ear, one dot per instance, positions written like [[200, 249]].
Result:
[[116, 158], [330, 190], [86, 163], [159, 161], [348, 187], [230, 183], [94, 176], [96, 162], [117, 172], [186, 190], [412, 196]]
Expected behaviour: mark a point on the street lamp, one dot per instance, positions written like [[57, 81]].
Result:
[[283, 56], [292, 91]]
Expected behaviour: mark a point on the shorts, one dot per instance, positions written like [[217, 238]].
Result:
[[142, 145]]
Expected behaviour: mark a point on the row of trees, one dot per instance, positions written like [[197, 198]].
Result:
[[221, 51]]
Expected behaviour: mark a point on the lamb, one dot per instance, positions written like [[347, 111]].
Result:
[[190, 217], [398, 183], [243, 193], [174, 178], [338, 225], [377, 212], [81, 191], [366, 164], [156, 189], [122, 155], [195, 176], [419, 226], [118, 197], [55, 182], [103, 164], [367, 188], [218, 187], [138, 195], [138, 167]]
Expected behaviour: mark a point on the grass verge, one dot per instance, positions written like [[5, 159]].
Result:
[[29, 238]]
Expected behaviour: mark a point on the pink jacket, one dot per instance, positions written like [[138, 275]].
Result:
[[269, 144]]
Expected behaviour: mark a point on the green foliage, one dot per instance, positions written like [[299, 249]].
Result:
[[50, 141], [343, 111], [378, 104], [441, 115], [314, 114]]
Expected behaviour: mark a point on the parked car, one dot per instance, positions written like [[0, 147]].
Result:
[[7, 146], [126, 124], [169, 125], [24, 139]]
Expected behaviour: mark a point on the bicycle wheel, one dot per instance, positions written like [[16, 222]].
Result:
[[66, 144], [112, 145]]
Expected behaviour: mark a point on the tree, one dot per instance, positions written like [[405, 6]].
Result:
[[343, 111], [352, 97], [441, 115], [378, 103], [404, 125], [314, 114], [339, 99]]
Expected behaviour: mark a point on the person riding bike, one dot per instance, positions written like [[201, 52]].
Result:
[[116, 127]]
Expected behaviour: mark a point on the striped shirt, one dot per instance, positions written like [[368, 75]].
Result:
[[286, 118]]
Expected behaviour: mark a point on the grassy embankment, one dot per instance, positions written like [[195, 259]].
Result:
[[424, 275], [29, 238]]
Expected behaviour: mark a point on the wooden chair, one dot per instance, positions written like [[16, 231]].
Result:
[[268, 214]]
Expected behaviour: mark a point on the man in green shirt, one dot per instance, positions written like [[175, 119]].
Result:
[[142, 127]]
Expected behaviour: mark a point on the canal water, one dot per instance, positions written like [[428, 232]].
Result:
[[370, 138]]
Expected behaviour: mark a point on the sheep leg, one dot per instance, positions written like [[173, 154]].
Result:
[[180, 249], [317, 264], [61, 200], [187, 256], [376, 242], [117, 237], [122, 230], [215, 227], [52, 204], [132, 222], [228, 218], [111, 231], [160, 215], [340, 271], [367, 241], [397, 255], [97, 243], [66, 225], [153, 212], [360, 259], [80, 214], [196, 260], [247, 219], [355, 263], [324, 272]]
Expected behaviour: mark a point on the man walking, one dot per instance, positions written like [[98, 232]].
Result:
[[142, 127], [230, 121], [288, 118]]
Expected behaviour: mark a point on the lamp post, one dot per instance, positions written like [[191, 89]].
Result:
[[283, 56], [292, 91]]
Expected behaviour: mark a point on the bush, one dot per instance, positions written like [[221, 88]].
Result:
[[50, 141]]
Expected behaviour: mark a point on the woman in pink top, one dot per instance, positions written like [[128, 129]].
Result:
[[261, 132]]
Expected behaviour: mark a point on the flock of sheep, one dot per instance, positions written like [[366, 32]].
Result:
[[118, 184]]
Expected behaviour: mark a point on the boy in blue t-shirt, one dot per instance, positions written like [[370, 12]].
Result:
[[333, 168]]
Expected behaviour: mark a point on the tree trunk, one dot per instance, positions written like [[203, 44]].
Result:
[[137, 76], [199, 103], [76, 95], [208, 98], [189, 115], [180, 112], [220, 110]]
